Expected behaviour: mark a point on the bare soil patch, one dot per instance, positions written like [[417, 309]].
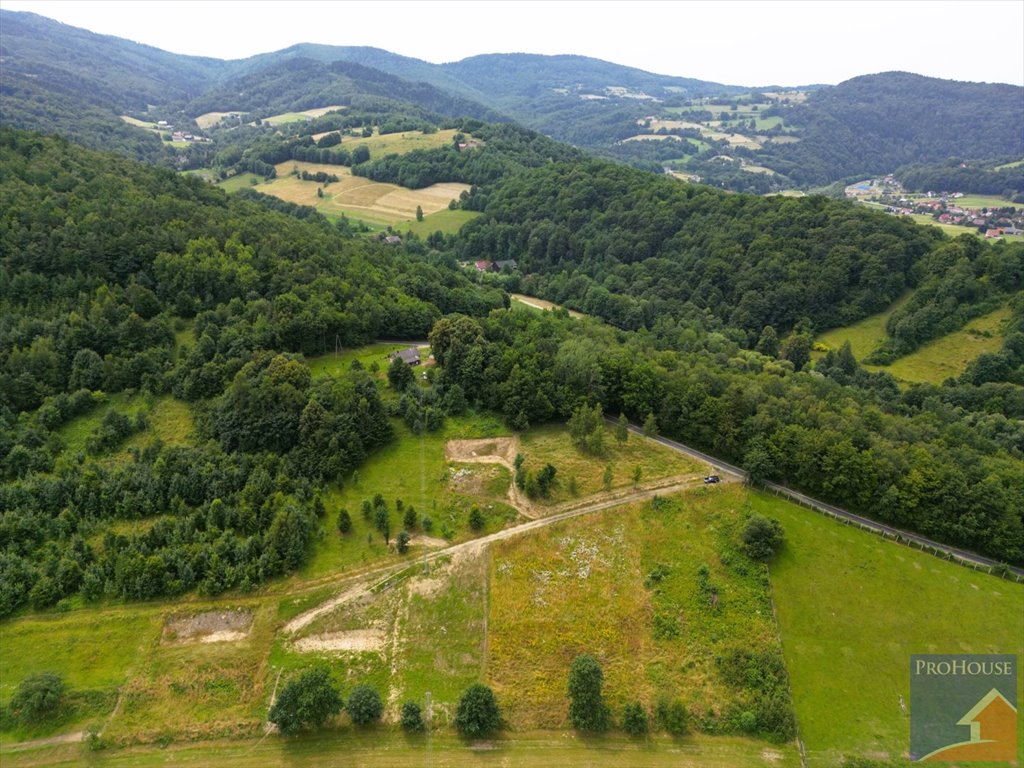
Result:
[[356, 641], [208, 627]]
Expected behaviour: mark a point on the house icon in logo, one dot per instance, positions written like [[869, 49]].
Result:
[[993, 724]]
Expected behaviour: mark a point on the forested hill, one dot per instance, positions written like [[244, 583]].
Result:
[[101, 70], [629, 247], [298, 84], [877, 123]]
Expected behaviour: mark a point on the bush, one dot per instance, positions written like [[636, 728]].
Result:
[[477, 714], [308, 700], [762, 537], [412, 717], [476, 519], [672, 716], [402, 542], [634, 719], [37, 697], [364, 705]]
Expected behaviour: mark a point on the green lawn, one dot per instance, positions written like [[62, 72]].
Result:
[[852, 607], [333, 364]]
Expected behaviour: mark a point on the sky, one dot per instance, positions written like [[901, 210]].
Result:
[[738, 42]]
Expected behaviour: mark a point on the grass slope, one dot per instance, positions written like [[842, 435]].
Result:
[[852, 608]]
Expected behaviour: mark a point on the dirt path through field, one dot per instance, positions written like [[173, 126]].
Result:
[[376, 577]]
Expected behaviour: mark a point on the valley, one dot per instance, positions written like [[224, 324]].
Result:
[[519, 409]]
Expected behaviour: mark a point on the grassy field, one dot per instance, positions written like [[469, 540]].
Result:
[[376, 748], [399, 143], [169, 419], [1007, 166], [865, 335], [295, 117], [551, 444], [447, 221], [933, 362], [949, 355], [412, 469], [848, 637], [241, 181], [986, 201], [580, 587]]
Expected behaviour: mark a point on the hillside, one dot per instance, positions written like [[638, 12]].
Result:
[[877, 123]]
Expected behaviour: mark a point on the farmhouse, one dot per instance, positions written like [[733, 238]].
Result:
[[410, 356], [501, 265], [393, 240], [484, 266]]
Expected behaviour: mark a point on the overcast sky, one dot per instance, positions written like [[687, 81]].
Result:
[[735, 41]]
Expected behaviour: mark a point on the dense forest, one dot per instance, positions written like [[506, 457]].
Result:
[[636, 250], [877, 123], [103, 262]]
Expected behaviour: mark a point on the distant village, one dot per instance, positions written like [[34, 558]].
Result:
[[992, 221]]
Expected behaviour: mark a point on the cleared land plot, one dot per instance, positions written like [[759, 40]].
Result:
[[424, 634], [949, 355], [848, 636], [552, 445], [584, 586], [540, 304], [376, 748]]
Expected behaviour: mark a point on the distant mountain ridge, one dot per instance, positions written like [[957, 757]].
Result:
[[58, 78]]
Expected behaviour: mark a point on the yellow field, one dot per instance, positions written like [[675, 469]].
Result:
[[356, 196], [735, 139], [212, 118]]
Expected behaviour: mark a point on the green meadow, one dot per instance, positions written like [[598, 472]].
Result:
[[852, 607]]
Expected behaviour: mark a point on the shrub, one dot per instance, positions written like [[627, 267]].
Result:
[[672, 716], [762, 537], [344, 521], [634, 719], [37, 697], [477, 714], [412, 717], [364, 705]]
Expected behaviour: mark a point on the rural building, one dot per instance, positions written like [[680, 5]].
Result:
[[485, 266], [393, 240], [510, 263], [410, 356]]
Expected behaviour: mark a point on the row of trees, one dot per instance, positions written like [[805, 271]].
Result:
[[311, 698]]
